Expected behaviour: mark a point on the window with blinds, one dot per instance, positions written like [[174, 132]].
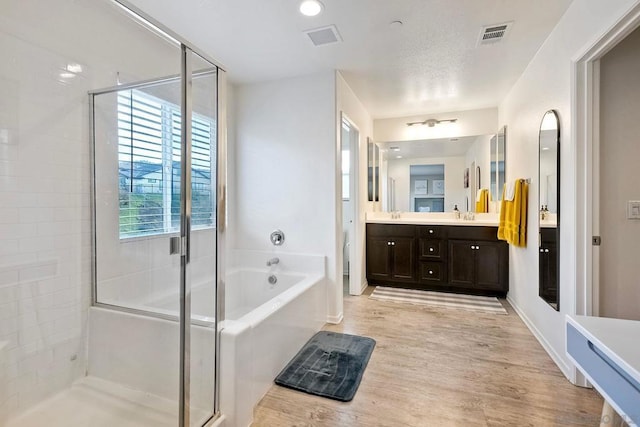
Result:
[[149, 166]]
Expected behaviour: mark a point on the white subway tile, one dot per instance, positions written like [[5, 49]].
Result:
[[8, 215]]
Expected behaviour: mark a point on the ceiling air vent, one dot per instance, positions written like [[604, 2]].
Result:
[[324, 35], [494, 33]]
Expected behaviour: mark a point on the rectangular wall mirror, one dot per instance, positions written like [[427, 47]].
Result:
[[429, 175]]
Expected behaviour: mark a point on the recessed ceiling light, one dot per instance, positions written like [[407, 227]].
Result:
[[394, 148], [311, 7], [67, 75], [74, 68], [545, 148], [398, 157]]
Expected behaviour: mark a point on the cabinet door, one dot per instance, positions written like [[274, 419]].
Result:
[[549, 272], [378, 258], [491, 260], [403, 256], [461, 263]]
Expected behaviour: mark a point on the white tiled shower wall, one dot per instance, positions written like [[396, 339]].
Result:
[[44, 226], [45, 255]]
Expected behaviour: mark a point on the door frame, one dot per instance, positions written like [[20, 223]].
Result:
[[355, 287], [585, 101]]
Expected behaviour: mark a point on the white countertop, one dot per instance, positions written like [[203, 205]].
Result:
[[617, 338], [433, 218]]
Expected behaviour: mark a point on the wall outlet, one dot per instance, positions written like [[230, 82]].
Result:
[[633, 209]]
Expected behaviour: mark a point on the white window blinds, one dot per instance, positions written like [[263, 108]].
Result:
[[149, 166]]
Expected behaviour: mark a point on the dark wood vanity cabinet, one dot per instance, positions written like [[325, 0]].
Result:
[[391, 252], [548, 264], [466, 259]]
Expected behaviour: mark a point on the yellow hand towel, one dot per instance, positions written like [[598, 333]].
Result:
[[513, 215], [482, 201]]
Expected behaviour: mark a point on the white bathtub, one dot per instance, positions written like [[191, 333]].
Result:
[[265, 325]]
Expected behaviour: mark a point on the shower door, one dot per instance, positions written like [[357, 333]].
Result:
[[202, 218], [156, 234]]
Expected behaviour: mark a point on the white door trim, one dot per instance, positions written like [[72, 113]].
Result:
[[585, 99], [355, 287]]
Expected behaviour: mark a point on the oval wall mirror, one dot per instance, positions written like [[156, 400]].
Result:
[[549, 208]]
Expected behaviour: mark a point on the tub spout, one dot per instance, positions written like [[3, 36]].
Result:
[[273, 261]]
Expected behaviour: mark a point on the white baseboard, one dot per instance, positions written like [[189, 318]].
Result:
[[564, 367], [363, 286], [335, 319]]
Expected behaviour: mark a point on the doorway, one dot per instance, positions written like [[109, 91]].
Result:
[[618, 207], [349, 144]]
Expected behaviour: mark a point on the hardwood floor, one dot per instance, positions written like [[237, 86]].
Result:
[[441, 367]]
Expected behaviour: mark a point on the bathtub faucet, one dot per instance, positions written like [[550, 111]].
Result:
[[273, 261]]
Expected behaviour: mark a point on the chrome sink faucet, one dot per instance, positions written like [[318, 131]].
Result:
[[273, 261]]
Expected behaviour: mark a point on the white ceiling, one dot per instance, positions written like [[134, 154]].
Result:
[[430, 64]]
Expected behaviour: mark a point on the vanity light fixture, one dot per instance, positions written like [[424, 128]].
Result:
[[431, 122], [311, 7]]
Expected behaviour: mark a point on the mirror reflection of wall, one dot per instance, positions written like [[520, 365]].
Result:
[[426, 188], [373, 171], [498, 172], [548, 170]]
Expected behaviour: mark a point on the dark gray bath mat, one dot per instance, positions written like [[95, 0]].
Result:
[[330, 365]]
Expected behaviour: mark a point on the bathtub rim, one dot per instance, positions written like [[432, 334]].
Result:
[[266, 309]]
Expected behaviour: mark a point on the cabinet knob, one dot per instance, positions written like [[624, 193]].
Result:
[[430, 249], [430, 271], [393, 243], [541, 250], [388, 243], [546, 251], [473, 247], [430, 231]]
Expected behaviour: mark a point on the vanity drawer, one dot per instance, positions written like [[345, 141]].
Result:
[[391, 230], [471, 232], [431, 231], [431, 249], [604, 373], [431, 272]]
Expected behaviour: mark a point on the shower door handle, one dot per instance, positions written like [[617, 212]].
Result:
[[176, 246]]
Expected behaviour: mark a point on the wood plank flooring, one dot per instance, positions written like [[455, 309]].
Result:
[[441, 367]]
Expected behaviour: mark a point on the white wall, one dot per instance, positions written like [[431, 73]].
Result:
[[544, 85], [285, 171], [349, 104], [45, 248], [619, 155], [454, 191], [470, 123]]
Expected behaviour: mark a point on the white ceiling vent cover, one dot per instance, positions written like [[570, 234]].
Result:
[[492, 34], [324, 35]]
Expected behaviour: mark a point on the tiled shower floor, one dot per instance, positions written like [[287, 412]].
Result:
[[98, 403]]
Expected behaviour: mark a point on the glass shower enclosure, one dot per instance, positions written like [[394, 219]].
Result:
[[158, 231]]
